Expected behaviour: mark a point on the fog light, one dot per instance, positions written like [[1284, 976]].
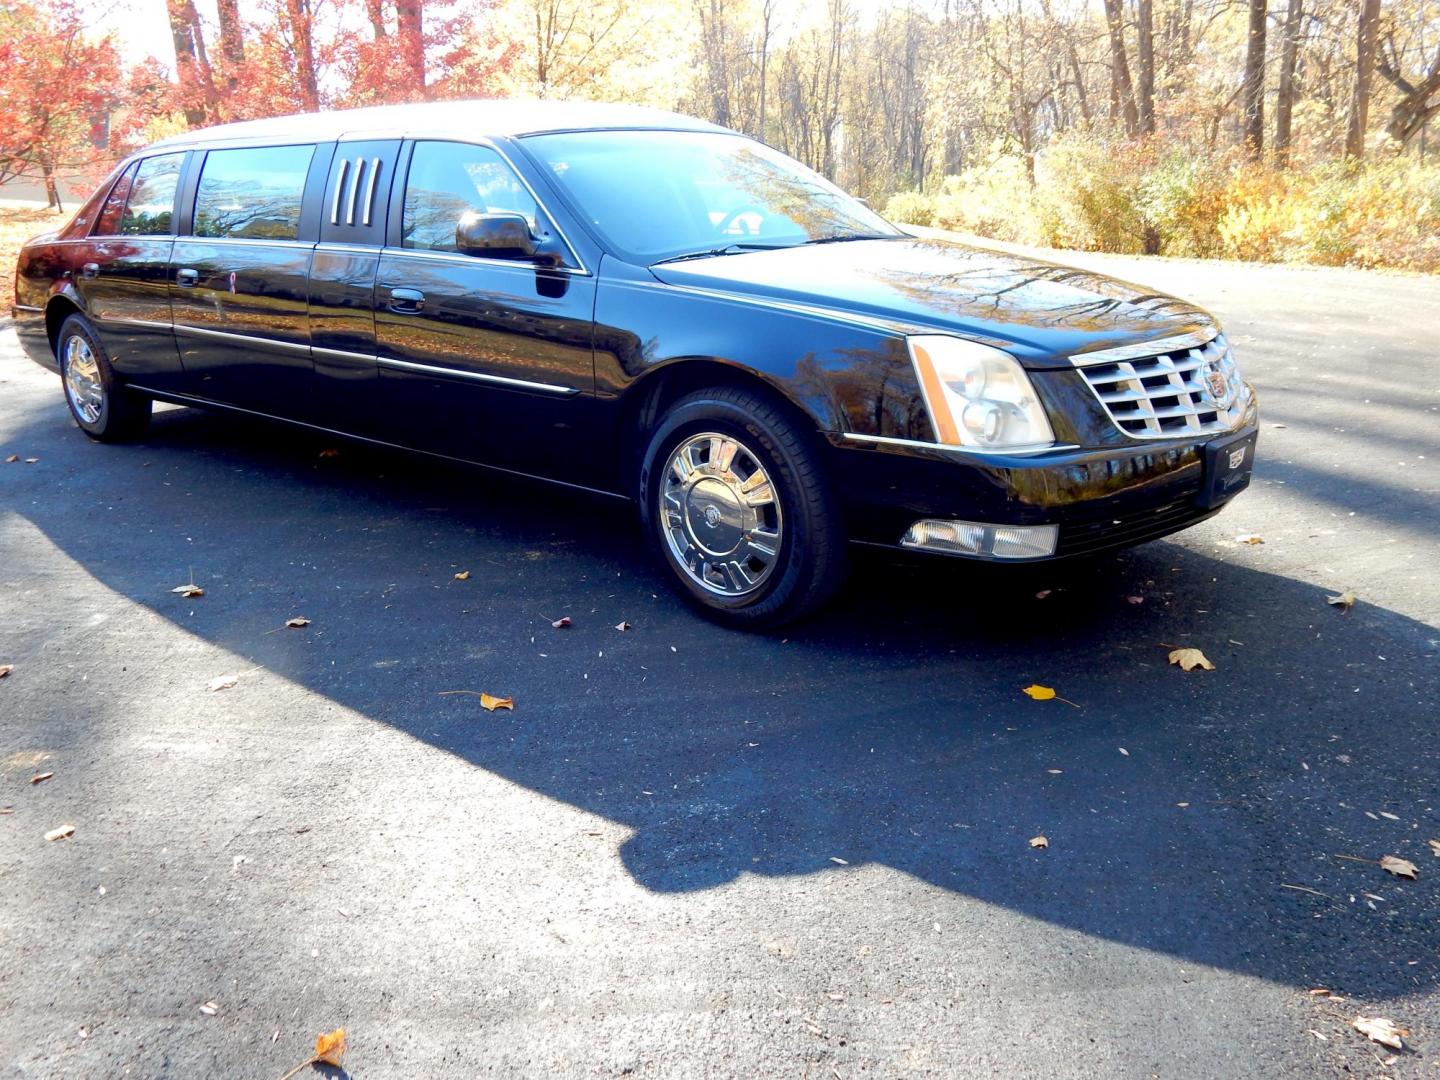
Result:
[[987, 541]]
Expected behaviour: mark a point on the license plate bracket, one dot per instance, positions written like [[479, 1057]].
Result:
[[1228, 464]]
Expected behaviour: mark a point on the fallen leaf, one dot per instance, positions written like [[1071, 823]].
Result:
[[1398, 866], [31, 460], [5, 669], [297, 622], [1346, 600], [1389, 816], [12, 458], [1382, 1031], [222, 682], [1039, 693], [1249, 538], [463, 575], [1134, 599], [189, 590], [1123, 751], [561, 623], [209, 1008], [7, 809], [1434, 847], [622, 625], [61, 833], [330, 1047], [1043, 593], [1054, 772], [1039, 842], [1190, 659], [838, 861], [41, 777], [489, 702], [329, 452]]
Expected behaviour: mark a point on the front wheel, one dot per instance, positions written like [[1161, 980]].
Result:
[[102, 407], [738, 508]]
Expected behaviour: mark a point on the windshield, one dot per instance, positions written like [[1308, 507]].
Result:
[[655, 195]]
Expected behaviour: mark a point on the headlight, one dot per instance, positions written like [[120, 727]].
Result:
[[978, 396]]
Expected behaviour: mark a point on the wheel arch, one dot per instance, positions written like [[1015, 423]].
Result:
[[59, 308], [645, 401]]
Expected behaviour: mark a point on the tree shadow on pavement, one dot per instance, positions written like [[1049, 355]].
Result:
[[889, 730]]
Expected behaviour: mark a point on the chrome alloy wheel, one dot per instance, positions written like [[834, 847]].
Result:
[[720, 514], [82, 379]]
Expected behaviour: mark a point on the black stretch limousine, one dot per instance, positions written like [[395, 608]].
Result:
[[649, 306]]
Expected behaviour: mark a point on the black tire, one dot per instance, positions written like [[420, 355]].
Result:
[[810, 561], [122, 413]]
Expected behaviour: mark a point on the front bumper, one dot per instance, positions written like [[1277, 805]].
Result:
[[1100, 499]]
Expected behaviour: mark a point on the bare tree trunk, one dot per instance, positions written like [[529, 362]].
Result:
[[232, 34], [52, 190], [410, 19], [1411, 114], [1122, 96], [1285, 96], [375, 11], [187, 67], [767, 16], [1364, 73], [1145, 31], [302, 39], [1253, 90]]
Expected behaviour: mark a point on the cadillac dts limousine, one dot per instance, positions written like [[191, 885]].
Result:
[[649, 306]]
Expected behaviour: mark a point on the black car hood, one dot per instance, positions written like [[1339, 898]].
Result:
[[1041, 312]]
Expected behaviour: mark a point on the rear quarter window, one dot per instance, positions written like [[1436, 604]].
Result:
[[252, 193]]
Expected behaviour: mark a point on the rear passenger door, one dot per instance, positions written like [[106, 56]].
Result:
[[122, 276], [482, 358], [342, 284], [238, 287]]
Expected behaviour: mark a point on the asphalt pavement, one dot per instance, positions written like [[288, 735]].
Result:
[[690, 852]]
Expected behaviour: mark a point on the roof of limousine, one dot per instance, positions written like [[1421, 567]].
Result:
[[461, 119]]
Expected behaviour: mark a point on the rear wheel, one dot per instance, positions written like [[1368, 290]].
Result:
[[737, 507], [102, 407]]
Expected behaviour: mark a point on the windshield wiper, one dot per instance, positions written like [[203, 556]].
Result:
[[728, 249], [840, 238]]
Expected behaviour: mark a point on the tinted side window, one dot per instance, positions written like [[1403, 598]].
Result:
[[114, 206], [151, 206], [445, 180], [253, 193]]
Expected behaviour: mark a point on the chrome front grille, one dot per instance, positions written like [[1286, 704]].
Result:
[[1187, 391]]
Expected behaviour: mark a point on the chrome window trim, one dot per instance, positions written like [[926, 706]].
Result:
[[222, 335], [977, 451], [331, 248], [339, 187], [370, 190], [491, 144], [241, 241], [1154, 347], [480, 260], [500, 380], [26, 307]]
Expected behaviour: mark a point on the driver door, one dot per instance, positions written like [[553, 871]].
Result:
[[486, 359]]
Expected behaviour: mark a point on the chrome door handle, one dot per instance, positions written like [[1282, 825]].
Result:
[[89, 270], [407, 301], [187, 279]]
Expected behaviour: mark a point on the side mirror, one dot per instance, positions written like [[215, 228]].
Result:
[[495, 236]]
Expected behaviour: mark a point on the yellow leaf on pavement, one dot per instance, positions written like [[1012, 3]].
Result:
[[1382, 1031], [330, 1047], [1345, 601], [1190, 659], [463, 575], [1399, 867], [1039, 693], [297, 622], [1039, 842], [1249, 538], [190, 590], [61, 833], [490, 702]]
